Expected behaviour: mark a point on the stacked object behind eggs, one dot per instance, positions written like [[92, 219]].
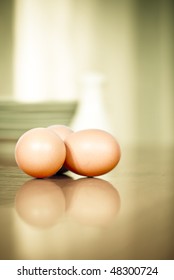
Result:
[[16, 118]]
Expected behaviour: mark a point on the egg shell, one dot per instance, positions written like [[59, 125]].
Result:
[[91, 152], [40, 153], [62, 131]]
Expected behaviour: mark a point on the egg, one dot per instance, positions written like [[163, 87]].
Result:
[[91, 152], [40, 153], [63, 132]]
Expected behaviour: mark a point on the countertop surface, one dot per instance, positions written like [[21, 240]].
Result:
[[125, 214]]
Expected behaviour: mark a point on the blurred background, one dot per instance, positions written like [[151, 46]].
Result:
[[48, 47]]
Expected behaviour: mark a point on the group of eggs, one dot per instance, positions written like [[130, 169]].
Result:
[[43, 152]]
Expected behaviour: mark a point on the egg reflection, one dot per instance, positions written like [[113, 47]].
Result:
[[40, 202], [92, 201], [88, 201]]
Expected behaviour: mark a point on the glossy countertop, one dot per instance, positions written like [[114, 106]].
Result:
[[125, 214]]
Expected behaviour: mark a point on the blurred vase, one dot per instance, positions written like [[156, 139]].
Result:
[[91, 111]]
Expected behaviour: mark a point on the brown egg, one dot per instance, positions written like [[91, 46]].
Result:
[[92, 201], [40, 203], [62, 131], [91, 152], [40, 153]]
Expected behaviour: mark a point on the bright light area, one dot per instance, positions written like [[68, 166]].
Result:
[[57, 42], [43, 64]]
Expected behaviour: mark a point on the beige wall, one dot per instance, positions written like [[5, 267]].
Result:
[[130, 42]]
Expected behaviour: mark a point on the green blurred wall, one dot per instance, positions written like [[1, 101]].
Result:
[[132, 42], [6, 47]]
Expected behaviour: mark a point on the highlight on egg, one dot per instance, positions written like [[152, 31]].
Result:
[[40, 153], [91, 152]]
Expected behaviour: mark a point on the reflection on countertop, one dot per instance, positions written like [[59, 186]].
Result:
[[89, 201], [125, 214]]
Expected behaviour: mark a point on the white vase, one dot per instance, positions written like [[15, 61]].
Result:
[[91, 110]]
